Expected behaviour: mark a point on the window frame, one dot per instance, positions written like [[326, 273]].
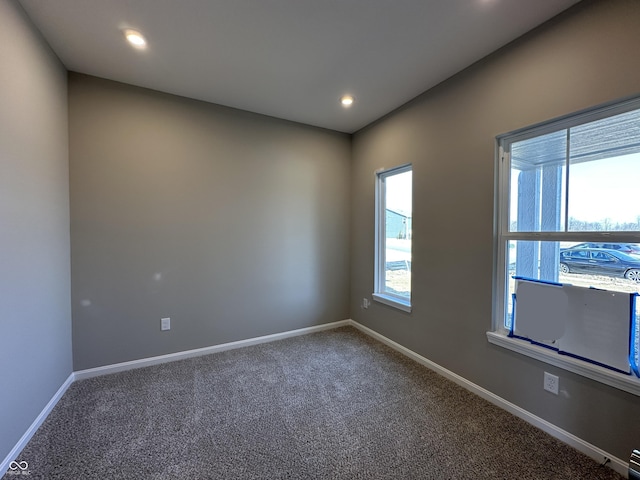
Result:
[[380, 294], [502, 236]]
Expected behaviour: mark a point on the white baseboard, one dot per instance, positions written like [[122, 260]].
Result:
[[4, 466], [588, 449], [171, 357]]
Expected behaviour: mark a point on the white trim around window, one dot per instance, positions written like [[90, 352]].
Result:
[[547, 229], [383, 292]]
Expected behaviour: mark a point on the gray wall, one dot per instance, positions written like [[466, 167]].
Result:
[[232, 224], [35, 310], [585, 57]]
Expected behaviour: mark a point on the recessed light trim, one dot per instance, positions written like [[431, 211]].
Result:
[[347, 100], [135, 38]]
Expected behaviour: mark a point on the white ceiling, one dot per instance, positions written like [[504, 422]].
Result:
[[290, 59]]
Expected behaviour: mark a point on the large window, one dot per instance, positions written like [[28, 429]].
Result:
[[567, 207], [393, 237]]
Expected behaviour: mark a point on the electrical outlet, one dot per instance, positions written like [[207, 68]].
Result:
[[165, 324], [365, 303], [551, 383]]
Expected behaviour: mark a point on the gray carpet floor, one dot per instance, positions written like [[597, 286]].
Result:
[[330, 405]]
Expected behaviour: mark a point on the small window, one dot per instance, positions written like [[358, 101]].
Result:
[[393, 237]]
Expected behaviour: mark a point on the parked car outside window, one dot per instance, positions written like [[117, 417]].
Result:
[[600, 261]]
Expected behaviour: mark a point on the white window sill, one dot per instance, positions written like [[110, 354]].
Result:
[[628, 383], [390, 301]]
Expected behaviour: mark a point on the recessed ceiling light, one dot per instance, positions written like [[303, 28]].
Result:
[[135, 38], [346, 100]]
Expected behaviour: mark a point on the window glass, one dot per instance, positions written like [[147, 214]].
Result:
[[603, 194], [604, 168], [537, 183]]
